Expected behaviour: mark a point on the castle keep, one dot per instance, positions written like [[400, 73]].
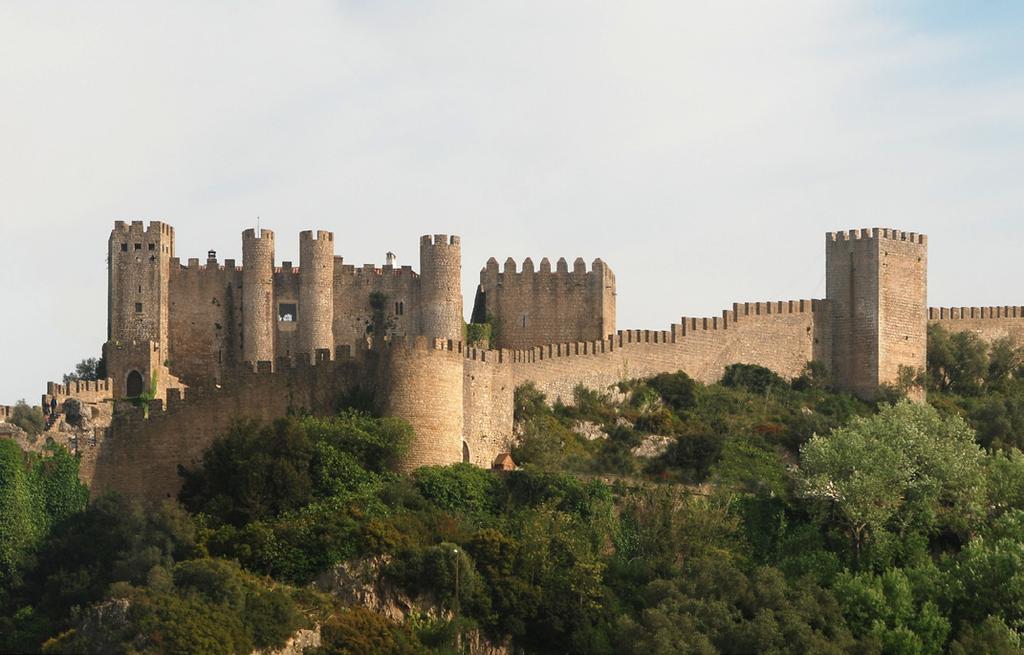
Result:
[[199, 345]]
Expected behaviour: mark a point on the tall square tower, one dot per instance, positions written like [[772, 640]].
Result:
[[877, 287]]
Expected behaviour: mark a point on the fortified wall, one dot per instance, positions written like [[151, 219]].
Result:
[[534, 307], [213, 344]]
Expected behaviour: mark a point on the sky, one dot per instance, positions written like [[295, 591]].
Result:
[[701, 149]]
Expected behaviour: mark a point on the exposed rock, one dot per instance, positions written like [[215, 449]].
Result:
[[77, 414], [653, 445], [589, 430], [360, 582], [296, 644]]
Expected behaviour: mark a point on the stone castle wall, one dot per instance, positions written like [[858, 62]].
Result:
[[544, 306], [989, 323], [782, 336], [141, 454]]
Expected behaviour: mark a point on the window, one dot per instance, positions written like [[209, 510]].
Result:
[[399, 308], [524, 320], [138, 246], [138, 308], [124, 247], [287, 312], [152, 246]]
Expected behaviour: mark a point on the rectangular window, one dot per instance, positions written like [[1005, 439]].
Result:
[[124, 247], [138, 246], [287, 312], [152, 246], [138, 308]]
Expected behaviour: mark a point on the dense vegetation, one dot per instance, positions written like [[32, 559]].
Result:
[[664, 516]]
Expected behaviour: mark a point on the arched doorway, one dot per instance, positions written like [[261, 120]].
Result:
[[133, 385], [465, 451]]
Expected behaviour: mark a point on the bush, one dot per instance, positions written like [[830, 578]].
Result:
[[753, 378], [677, 390]]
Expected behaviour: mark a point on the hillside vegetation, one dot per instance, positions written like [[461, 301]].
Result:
[[663, 516]]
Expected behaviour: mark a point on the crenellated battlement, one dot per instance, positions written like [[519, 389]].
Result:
[[371, 270], [319, 235], [491, 270], [194, 265], [138, 228], [968, 313], [439, 240], [251, 235], [877, 233]]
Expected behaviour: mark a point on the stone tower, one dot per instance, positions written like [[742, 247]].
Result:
[[316, 291], [259, 318], [876, 285], [137, 320], [440, 287]]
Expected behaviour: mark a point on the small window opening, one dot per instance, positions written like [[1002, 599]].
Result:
[[524, 320], [124, 247], [401, 307], [140, 288], [138, 308], [287, 312], [138, 246], [152, 246]]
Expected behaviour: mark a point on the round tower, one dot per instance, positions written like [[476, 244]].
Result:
[[423, 385], [316, 291], [258, 320], [441, 287]]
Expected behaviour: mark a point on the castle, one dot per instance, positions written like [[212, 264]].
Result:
[[203, 345]]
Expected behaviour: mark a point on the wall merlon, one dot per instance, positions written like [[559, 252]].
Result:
[[250, 234], [969, 313], [562, 266]]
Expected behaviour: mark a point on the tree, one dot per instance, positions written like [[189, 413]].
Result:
[[91, 368], [30, 419], [905, 468]]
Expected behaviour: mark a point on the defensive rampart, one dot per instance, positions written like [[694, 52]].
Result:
[[141, 454], [989, 323], [782, 336]]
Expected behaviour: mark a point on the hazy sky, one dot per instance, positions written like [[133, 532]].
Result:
[[702, 149]]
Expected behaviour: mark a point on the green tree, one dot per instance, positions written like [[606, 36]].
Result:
[[30, 419], [906, 468]]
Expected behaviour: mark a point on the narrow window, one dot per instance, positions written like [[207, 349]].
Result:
[[140, 288], [124, 247], [138, 308], [401, 307], [286, 312], [396, 309], [524, 320]]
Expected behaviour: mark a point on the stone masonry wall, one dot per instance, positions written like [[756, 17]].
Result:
[[989, 323], [205, 319], [352, 290], [140, 456], [902, 304], [535, 307], [422, 383], [782, 336]]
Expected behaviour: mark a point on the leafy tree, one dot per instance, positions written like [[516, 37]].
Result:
[[905, 468], [28, 418], [91, 368]]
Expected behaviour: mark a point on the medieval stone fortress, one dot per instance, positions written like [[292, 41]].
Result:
[[197, 346]]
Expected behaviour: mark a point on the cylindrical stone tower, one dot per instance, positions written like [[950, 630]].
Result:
[[423, 385], [258, 317], [316, 291], [440, 287]]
